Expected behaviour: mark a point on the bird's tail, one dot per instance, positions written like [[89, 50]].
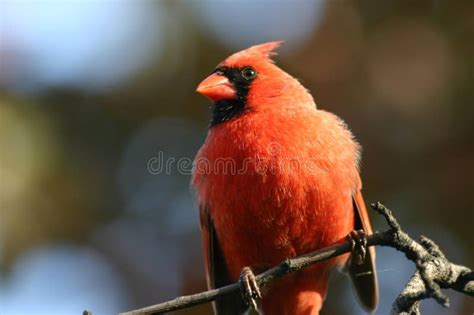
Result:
[[296, 294]]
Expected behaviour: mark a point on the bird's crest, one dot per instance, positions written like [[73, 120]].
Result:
[[265, 50], [258, 52]]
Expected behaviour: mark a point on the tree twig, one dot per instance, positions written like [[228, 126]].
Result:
[[434, 271]]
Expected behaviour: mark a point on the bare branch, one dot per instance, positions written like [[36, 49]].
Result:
[[434, 272]]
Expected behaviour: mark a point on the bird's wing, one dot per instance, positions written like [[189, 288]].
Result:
[[216, 271], [364, 276]]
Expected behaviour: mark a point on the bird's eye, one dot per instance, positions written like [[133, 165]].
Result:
[[249, 73]]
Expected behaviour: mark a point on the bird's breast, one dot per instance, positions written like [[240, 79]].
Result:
[[279, 189]]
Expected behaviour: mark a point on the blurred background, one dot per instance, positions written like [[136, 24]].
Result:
[[92, 91]]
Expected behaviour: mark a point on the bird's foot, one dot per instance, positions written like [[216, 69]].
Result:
[[358, 239], [249, 287]]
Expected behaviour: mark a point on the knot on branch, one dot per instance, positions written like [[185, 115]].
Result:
[[435, 262]]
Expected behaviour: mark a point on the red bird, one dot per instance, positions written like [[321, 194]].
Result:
[[276, 178]]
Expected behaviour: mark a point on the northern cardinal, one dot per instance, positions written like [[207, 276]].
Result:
[[276, 178]]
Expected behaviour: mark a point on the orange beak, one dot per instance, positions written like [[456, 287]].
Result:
[[217, 87]]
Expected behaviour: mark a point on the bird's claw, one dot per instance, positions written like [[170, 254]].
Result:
[[358, 239], [249, 287]]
